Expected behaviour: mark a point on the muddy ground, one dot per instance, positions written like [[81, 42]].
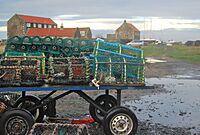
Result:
[[75, 106]]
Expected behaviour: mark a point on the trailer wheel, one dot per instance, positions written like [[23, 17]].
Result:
[[27, 102], [120, 121], [4, 106], [16, 122], [105, 101]]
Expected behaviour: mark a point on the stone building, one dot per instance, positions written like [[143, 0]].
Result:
[[125, 33], [18, 24], [85, 33]]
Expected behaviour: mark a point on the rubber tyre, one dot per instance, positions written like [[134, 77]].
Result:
[[7, 106], [111, 119], [32, 99], [96, 114], [11, 117]]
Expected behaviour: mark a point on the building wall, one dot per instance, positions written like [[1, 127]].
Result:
[[125, 32], [89, 34], [86, 33], [15, 27], [77, 34], [136, 36]]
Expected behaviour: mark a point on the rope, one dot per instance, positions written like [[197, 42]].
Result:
[[3, 75]]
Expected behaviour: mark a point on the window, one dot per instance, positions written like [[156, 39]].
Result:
[[28, 24], [45, 26], [55, 26], [39, 25], [49, 26], [34, 25], [82, 33]]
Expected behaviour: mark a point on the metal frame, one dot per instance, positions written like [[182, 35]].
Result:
[[71, 89]]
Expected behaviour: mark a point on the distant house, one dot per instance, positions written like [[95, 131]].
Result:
[[54, 32], [125, 33], [18, 24], [85, 33], [111, 37]]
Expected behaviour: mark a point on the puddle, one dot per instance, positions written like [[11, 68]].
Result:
[[192, 76], [178, 108], [151, 60]]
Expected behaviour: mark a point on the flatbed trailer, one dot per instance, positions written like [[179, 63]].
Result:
[[105, 109]]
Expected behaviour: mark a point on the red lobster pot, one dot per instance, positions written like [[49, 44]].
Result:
[[69, 70]]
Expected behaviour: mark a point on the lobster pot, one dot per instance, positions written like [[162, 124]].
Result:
[[30, 70], [69, 70], [58, 129], [86, 47], [118, 71], [17, 71], [75, 48], [10, 74], [112, 49], [17, 57]]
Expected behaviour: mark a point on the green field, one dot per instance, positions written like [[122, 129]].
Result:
[[187, 53], [2, 47]]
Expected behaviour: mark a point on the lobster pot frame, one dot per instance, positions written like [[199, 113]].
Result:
[[10, 74], [27, 59], [118, 71], [19, 71], [69, 70], [112, 49]]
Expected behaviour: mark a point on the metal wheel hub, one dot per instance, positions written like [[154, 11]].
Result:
[[104, 105], [121, 124], [16, 126]]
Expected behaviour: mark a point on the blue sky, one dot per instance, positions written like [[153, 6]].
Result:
[[178, 18]]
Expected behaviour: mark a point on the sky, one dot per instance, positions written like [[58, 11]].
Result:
[[162, 19]]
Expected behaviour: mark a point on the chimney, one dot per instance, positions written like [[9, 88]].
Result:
[[61, 27]]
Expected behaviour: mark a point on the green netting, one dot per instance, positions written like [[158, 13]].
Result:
[[116, 64], [56, 47], [15, 40], [47, 41], [14, 54], [59, 42], [118, 71], [113, 49], [26, 40], [68, 42], [37, 40]]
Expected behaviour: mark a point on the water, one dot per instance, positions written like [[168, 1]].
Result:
[[179, 107]]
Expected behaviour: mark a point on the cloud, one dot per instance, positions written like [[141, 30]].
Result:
[[3, 29], [109, 8], [150, 23], [109, 14], [65, 17]]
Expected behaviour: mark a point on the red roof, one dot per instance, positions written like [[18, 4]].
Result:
[[36, 19], [54, 32]]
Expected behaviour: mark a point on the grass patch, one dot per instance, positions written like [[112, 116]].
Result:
[[187, 53], [2, 48]]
